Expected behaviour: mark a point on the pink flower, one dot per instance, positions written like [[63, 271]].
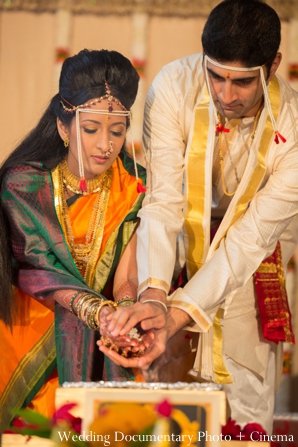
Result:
[[164, 408], [63, 414]]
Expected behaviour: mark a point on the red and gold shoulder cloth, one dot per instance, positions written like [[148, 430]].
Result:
[[272, 298]]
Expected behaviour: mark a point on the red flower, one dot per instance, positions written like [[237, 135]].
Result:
[[18, 423], [249, 432], [164, 408], [63, 415], [232, 429]]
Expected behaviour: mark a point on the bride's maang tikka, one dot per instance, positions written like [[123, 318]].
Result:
[[107, 96], [86, 107]]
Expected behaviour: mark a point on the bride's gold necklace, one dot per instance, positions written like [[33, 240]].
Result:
[[221, 159], [82, 253], [72, 182]]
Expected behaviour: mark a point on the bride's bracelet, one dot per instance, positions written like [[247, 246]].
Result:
[[88, 308], [77, 293], [101, 305], [80, 304], [126, 301]]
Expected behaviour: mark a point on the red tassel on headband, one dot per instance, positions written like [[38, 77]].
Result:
[[277, 136]]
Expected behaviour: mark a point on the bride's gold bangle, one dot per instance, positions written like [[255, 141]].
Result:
[[126, 301], [102, 304]]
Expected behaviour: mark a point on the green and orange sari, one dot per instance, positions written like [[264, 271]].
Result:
[[48, 344]]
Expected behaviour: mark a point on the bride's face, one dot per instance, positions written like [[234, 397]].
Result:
[[102, 138]]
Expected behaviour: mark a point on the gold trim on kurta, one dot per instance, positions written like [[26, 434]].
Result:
[[192, 310], [220, 371], [154, 283], [196, 188]]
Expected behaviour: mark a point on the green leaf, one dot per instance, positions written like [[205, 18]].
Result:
[[32, 417]]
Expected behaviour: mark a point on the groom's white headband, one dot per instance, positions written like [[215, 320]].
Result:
[[264, 85]]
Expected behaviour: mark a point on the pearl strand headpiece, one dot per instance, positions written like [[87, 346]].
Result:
[[265, 90]]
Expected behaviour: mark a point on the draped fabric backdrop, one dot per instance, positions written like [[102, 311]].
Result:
[[177, 8]]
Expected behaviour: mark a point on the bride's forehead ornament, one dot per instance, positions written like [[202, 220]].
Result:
[[70, 108], [110, 111]]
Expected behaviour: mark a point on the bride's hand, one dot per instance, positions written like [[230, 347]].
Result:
[[145, 315], [158, 346], [134, 343]]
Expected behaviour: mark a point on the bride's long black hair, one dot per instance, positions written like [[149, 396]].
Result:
[[82, 78]]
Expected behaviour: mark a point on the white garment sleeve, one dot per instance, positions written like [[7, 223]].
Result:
[[162, 212], [249, 240]]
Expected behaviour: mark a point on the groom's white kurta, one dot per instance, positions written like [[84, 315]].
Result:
[[263, 210]]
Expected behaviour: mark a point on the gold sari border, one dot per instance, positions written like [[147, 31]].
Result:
[[103, 267], [91, 265], [29, 369], [58, 191]]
